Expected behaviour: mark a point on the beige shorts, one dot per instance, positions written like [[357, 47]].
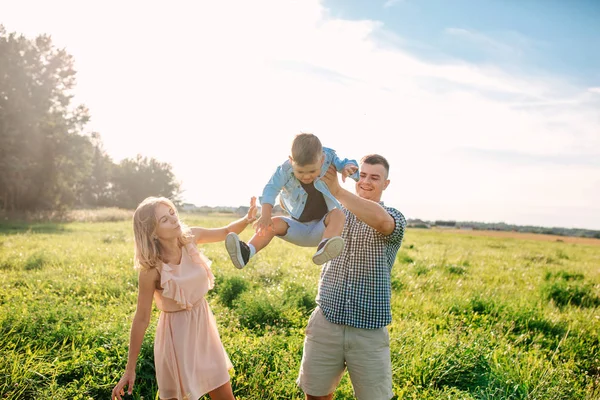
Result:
[[330, 348]]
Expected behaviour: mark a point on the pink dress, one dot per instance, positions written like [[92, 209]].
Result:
[[189, 357]]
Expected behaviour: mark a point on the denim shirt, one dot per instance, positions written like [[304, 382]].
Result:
[[293, 195]]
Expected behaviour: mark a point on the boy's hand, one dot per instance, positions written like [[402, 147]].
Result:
[[264, 225], [348, 170]]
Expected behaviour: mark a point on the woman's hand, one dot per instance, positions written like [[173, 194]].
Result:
[[251, 215], [128, 380]]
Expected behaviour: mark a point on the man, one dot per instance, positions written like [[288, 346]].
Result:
[[348, 329]]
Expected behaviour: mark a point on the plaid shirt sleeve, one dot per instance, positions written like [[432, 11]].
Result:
[[355, 287]]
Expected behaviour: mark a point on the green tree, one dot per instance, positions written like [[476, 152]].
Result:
[[44, 158], [135, 179], [97, 189]]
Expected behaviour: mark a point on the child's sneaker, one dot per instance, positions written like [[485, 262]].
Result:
[[238, 250], [328, 249]]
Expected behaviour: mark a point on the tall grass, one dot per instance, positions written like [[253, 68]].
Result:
[[474, 317]]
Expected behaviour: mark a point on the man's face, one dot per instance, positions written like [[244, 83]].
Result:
[[309, 172], [372, 182]]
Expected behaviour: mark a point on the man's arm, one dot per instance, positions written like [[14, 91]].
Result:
[[368, 211]]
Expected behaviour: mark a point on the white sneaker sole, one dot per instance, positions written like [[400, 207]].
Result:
[[331, 250], [232, 244]]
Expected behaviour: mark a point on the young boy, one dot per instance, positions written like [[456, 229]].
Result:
[[315, 215]]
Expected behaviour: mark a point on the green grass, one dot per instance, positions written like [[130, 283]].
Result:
[[474, 317]]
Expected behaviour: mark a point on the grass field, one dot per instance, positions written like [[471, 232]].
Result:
[[475, 317]]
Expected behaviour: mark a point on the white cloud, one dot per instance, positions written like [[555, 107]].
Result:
[[482, 40], [594, 90], [220, 94], [391, 3]]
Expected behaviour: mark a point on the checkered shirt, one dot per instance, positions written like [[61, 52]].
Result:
[[355, 287]]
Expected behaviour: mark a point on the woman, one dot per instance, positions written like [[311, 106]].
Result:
[[189, 358]]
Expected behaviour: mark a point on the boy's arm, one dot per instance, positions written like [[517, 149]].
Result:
[[274, 186], [340, 164]]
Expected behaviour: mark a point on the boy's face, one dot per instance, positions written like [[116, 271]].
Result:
[[309, 172]]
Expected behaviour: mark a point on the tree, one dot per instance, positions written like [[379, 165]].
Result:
[[43, 156], [136, 179], [97, 189], [47, 162]]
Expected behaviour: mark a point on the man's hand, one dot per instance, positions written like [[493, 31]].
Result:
[[330, 178]]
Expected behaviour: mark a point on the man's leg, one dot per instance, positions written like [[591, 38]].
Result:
[[369, 363], [328, 397], [322, 363]]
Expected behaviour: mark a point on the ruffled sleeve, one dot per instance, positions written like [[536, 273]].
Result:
[[199, 258], [176, 289], [171, 289]]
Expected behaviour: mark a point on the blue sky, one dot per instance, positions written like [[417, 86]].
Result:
[[487, 110], [561, 37]]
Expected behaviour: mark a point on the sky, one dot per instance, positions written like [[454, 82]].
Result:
[[487, 110]]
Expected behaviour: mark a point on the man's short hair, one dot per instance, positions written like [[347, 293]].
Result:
[[306, 149], [374, 159]]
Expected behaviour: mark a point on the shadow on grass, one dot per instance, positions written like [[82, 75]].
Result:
[[17, 228]]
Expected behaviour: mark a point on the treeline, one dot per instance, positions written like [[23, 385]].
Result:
[[47, 159], [501, 226]]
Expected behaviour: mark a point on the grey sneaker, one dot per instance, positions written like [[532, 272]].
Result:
[[238, 250], [328, 250]]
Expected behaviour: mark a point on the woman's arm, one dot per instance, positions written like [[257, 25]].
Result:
[[211, 235], [147, 283]]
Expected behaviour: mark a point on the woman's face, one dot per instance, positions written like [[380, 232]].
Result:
[[167, 226]]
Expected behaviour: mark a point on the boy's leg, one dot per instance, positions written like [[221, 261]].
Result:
[[261, 241], [305, 234], [332, 244], [240, 252], [334, 223]]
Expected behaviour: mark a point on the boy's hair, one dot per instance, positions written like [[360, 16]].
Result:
[[306, 149], [374, 159], [147, 248]]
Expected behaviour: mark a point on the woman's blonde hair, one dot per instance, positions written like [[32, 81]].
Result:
[[147, 247]]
